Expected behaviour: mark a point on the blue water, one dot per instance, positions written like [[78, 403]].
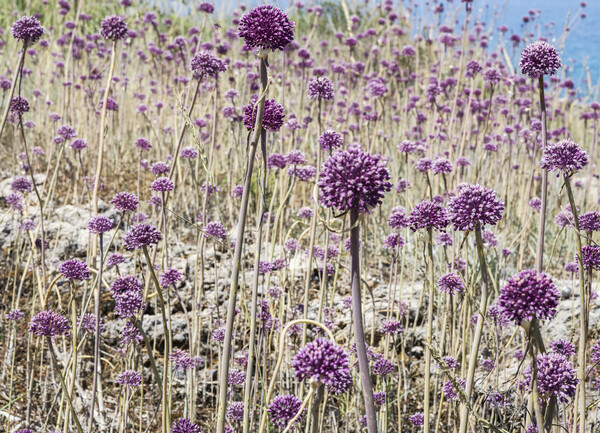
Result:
[[580, 52]]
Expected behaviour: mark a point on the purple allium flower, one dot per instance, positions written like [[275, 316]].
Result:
[[589, 221], [408, 51], [398, 218], [49, 324], [99, 224], [129, 378], [125, 283], [15, 315], [450, 392], [236, 377], [21, 184], [129, 303], [125, 201], [19, 105], [272, 119], [206, 8], [131, 334], [572, 267], [111, 104], [27, 225], [15, 201], [27, 29], [320, 88], [325, 362], [527, 295], [142, 235], [79, 144], [143, 144], [565, 157], [182, 361], [462, 162], [353, 179], [235, 411], [283, 409], [475, 204], [555, 376], [391, 327], [379, 398], [67, 132], [219, 334], [450, 362], [303, 173], [473, 68], [215, 230], [564, 218], [407, 147], [536, 203], [393, 241], [275, 160], [330, 139], [266, 27], [487, 364], [295, 157], [184, 425], [291, 244], [563, 347], [492, 76], [205, 63], [443, 239], [418, 419], [162, 184], [74, 270], [590, 257], [382, 367], [113, 28], [170, 277], [424, 165], [428, 215], [87, 322], [305, 212], [451, 283], [188, 153], [376, 87], [538, 59], [237, 191], [159, 168], [441, 166]]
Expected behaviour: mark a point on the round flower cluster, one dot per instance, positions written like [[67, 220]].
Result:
[[49, 324], [266, 27], [143, 144], [125, 283], [21, 184], [215, 229], [564, 347], [205, 63], [283, 409], [428, 215], [170, 277], [129, 378], [125, 201], [527, 295], [19, 105], [74, 270], [140, 235], [113, 28], [184, 425], [99, 224], [589, 221], [162, 184], [451, 283], [182, 361], [325, 362], [272, 118], [27, 29], [320, 88], [87, 322], [79, 144], [398, 218], [538, 59], [475, 204], [565, 157], [353, 179], [330, 139], [188, 153], [590, 257], [555, 376], [129, 303]]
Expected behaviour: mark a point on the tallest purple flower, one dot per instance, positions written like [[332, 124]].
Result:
[[113, 27], [266, 27], [539, 59], [475, 204], [27, 29]]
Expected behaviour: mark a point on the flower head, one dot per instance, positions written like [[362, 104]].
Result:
[[170, 277], [451, 283], [99, 224], [129, 378], [205, 63], [589, 221], [527, 295], [555, 376], [565, 157], [590, 257], [475, 204], [184, 425], [538, 59], [330, 139], [428, 215], [19, 105], [140, 235], [272, 118], [283, 409], [353, 179], [74, 270], [320, 88], [27, 29], [266, 27], [162, 184], [325, 362], [113, 27], [49, 324], [125, 201]]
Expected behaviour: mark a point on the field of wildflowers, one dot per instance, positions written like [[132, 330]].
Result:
[[341, 217]]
